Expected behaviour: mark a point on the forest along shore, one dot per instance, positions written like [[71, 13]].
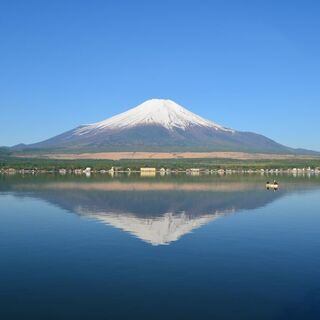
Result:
[[163, 163]]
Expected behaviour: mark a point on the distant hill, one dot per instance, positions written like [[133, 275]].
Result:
[[158, 125], [4, 151]]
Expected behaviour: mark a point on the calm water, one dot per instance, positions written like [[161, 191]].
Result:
[[159, 248]]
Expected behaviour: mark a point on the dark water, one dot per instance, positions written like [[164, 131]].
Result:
[[159, 248]]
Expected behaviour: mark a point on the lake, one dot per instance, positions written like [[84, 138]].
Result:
[[172, 247]]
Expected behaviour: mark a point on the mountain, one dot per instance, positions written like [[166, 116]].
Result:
[[158, 125]]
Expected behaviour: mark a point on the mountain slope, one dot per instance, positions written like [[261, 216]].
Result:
[[158, 125]]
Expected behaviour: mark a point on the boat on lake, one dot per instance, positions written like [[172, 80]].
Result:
[[272, 185]]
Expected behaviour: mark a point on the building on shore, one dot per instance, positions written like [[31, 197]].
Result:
[[148, 171], [87, 171], [63, 171], [193, 171], [77, 171]]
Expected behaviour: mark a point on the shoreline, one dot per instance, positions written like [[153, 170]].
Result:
[[162, 172]]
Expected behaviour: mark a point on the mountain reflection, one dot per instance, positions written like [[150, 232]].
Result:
[[157, 212]]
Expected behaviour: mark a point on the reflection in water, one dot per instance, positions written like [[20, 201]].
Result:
[[156, 230], [157, 212], [59, 260]]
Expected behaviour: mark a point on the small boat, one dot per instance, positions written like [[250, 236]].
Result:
[[272, 185]]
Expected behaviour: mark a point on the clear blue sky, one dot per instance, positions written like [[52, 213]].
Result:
[[250, 65]]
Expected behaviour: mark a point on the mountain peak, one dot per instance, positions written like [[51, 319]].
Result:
[[156, 102], [160, 112]]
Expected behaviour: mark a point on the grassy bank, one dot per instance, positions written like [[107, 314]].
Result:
[[7, 161]]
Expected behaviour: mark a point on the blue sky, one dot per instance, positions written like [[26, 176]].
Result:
[[249, 65]]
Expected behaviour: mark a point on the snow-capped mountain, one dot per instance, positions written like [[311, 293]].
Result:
[[160, 112], [158, 125]]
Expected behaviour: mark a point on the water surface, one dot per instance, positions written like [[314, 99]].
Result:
[[155, 248]]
